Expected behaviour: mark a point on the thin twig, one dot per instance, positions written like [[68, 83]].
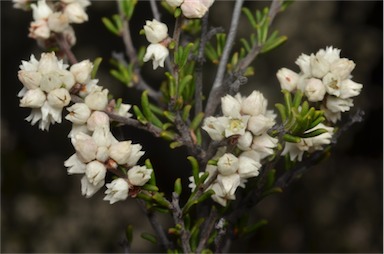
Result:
[[64, 46], [207, 229], [213, 99], [165, 243], [178, 219]]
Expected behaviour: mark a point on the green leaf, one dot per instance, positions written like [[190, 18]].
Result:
[[147, 110], [250, 17], [314, 133], [150, 187], [152, 180], [292, 139], [195, 167], [160, 200], [129, 234], [185, 113], [196, 121], [178, 186], [253, 228], [282, 110], [271, 176], [110, 26], [274, 43], [168, 135], [139, 115], [95, 68], [175, 144], [149, 237]]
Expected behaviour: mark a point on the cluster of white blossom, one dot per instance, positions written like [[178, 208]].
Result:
[[192, 8], [326, 78], [54, 17], [157, 34], [246, 119]]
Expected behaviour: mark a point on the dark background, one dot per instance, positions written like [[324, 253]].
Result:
[[336, 207]]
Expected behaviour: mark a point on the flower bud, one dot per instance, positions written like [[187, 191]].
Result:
[[139, 175], [230, 106], [59, 98], [315, 90], [135, 154], [30, 79], [74, 165], [303, 61], [254, 104], [319, 66], [349, 89], [97, 99], [33, 98], [155, 31], [332, 84], [102, 153], [215, 127], [41, 10], [95, 172], [48, 63], [82, 71], [228, 164], [342, 68], [229, 183], [78, 113], [117, 190], [245, 141], [97, 119], [102, 136], [75, 13], [122, 110], [195, 8], [157, 53], [288, 79], [39, 29], [264, 144]]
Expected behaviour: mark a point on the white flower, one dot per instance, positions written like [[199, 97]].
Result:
[[82, 71], [174, 3], [288, 79], [85, 147], [135, 154], [78, 113], [195, 8], [322, 139], [332, 84], [335, 104], [228, 164], [120, 152], [259, 124], [21, 4], [319, 65], [314, 90], [157, 53], [58, 22], [97, 119], [331, 116], [230, 106], [139, 175], [30, 79], [88, 189], [75, 13], [215, 127], [264, 144], [74, 165], [78, 128], [236, 126], [41, 10], [248, 167], [102, 136], [254, 104], [155, 31], [59, 98], [117, 190], [97, 99], [349, 89], [95, 172], [219, 196], [122, 110], [303, 61], [295, 150], [49, 63], [229, 183], [33, 98], [342, 68]]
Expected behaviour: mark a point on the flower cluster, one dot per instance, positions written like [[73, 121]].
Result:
[[326, 78], [246, 120], [192, 8], [157, 34]]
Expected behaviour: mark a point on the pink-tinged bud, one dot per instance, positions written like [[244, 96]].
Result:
[[97, 119], [120, 152], [155, 31], [102, 136], [39, 29], [117, 190], [139, 175], [288, 79], [33, 98], [315, 90], [195, 8], [59, 98], [95, 172], [82, 71], [78, 113], [228, 164], [75, 13]]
